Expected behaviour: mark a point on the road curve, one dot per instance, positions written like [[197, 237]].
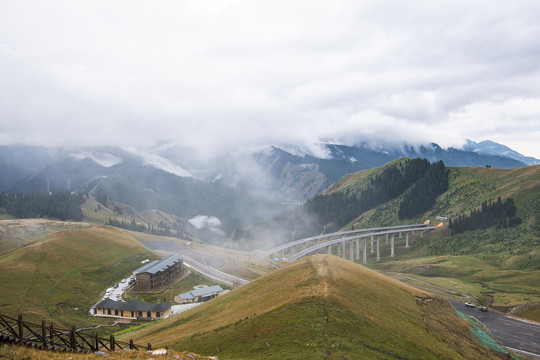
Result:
[[339, 233], [518, 335], [309, 250], [205, 263]]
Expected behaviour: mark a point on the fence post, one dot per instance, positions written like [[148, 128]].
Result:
[[95, 341], [44, 334], [72, 340], [111, 342], [51, 334], [21, 328]]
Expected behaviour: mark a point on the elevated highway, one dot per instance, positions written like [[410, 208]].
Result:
[[300, 248]]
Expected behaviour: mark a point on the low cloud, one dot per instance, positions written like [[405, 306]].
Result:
[[208, 222], [220, 75]]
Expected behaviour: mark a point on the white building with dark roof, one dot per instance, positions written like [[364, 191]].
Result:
[[198, 295], [133, 309], [158, 273]]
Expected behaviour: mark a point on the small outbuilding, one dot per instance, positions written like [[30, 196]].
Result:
[[199, 295]]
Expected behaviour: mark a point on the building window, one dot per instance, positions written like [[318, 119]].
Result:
[[132, 314], [122, 312], [140, 313], [108, 311], [157, 314], [148, 314], [115, 312]]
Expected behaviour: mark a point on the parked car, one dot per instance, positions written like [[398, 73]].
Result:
[[469, 304], [482, 308]]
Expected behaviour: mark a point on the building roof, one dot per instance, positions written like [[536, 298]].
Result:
[[207, 291], [133, 305], [159, 265]]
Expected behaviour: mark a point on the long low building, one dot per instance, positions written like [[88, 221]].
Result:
[[158, 273], [198, 295], [133, 309]]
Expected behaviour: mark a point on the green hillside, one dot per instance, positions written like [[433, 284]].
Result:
[[500, 267], [322, 307], [60, 277]]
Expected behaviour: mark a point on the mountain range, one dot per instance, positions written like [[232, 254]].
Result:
[[234, 189]]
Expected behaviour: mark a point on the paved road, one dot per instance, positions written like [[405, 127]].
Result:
[[512, 333], [200, 261]]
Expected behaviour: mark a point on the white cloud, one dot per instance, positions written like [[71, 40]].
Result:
[[209, 222], [219, 75]]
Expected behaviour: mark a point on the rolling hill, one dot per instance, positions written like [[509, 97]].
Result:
[[322, 307], [499, 267], [61, 276]]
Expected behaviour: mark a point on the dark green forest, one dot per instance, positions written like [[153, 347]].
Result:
[[424, 192], [162, 230], [501, 214], [337, 209], [56, 205], [419, 181]]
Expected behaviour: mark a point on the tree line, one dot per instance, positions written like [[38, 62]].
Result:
[[57, 205], [162, 230], [501, 214], [327, 213], [335, 210], [422, 195]]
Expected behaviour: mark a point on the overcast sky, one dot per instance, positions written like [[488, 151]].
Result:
[[217, 74]]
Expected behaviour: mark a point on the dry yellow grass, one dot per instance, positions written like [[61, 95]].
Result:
[[321, 305], [14, 352]]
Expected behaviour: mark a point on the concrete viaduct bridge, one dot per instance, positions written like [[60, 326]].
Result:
[[304, 247]]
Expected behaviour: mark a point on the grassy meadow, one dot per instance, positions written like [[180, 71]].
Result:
[[60, 277], [321, 307], [500, 267]]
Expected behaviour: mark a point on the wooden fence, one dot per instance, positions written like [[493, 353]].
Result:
[[48, 337]]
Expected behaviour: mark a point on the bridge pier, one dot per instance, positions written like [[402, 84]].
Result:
[[351, 251], [372, 244], [330, 249], [343, 249], [400, 235], [358, 249], [339, 251], [378, 249], [387, 239], [407, 240], [365, 252], [392, 247]]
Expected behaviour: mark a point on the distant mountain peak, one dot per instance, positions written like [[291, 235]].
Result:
[[488, 147]]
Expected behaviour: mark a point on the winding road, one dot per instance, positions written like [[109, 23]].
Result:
[[522, 337], [205, 263]]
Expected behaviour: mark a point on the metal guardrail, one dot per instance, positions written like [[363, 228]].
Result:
[[47, 337]]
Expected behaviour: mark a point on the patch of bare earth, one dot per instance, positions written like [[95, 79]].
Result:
[[20, 232]]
